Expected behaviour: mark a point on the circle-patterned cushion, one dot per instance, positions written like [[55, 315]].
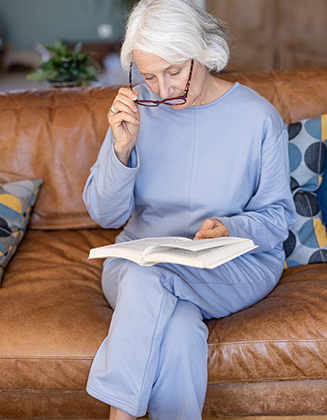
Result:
[[307, 152], [307, 239]]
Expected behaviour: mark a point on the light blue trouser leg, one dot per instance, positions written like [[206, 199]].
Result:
[[125, 366], [180, 386]]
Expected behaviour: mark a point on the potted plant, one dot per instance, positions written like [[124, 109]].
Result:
[[66, 67]]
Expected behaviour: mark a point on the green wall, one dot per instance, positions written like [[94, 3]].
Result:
[[25, 22]]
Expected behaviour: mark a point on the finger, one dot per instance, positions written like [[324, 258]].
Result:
[[212, 228], [127, 97], [122, 117], [209, 224], [120, 107], [132, 94], [210, 233], [204, 234]]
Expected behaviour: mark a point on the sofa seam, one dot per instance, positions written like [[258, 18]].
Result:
[[263, 380], [46, 358], [42, 390], [230, 343], [285, 379]]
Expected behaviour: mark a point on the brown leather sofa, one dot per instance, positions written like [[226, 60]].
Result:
[[270, 359]]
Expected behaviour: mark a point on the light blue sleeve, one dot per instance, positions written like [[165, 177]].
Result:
[[109, 190], [270, 211]]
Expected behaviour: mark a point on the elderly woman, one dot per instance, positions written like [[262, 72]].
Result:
[[187, 154]]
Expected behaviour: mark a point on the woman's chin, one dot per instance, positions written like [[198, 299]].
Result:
[[177, 107]]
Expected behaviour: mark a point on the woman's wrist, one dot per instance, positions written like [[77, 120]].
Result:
[[123, 154]]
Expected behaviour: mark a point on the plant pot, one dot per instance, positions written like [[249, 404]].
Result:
[[71, 83]]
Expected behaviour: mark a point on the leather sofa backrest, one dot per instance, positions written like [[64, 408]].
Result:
[[56, 134], [297, 94]]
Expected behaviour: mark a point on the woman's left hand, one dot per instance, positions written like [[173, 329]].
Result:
[[211, 228]]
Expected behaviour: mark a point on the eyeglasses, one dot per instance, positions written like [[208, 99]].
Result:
[[177, 100]]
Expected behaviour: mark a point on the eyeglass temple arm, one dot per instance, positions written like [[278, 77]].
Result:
[[189, 79], [130, 76]]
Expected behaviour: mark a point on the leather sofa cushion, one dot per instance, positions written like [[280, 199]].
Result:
[[281, 338], [54, 317]]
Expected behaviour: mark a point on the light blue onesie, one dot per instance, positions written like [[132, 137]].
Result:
[[227, 159]]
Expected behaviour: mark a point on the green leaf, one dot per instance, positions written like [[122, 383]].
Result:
[[78, 48], [39, 74], [67, 65]]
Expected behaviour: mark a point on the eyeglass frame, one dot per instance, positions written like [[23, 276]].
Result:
[[151, 103]]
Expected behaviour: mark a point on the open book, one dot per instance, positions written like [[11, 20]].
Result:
[[203, 253]]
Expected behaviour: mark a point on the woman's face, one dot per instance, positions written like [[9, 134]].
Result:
[[169, 80]]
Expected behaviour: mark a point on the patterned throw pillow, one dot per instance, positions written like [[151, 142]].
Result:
[[307, 152], [16, 202], [307, 240]]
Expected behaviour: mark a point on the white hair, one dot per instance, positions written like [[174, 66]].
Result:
[[176, 30]]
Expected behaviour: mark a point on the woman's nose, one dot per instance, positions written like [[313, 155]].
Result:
[[165, 89]]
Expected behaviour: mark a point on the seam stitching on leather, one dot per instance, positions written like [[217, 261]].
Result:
[[266, 342]]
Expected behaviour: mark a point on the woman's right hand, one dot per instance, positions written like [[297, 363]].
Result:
[[125, 124]]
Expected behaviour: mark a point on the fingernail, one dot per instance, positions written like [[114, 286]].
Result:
[[134, 96], [135, 108]]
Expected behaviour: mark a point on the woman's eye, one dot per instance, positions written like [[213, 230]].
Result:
[[148, 78], [176, 73]]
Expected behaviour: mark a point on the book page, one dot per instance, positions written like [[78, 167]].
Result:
[[205, 258], [210, 243], [178, 256], [135, 249], [140, 245]]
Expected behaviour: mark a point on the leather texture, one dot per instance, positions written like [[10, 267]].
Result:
[[270, 359], [56, 134]]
